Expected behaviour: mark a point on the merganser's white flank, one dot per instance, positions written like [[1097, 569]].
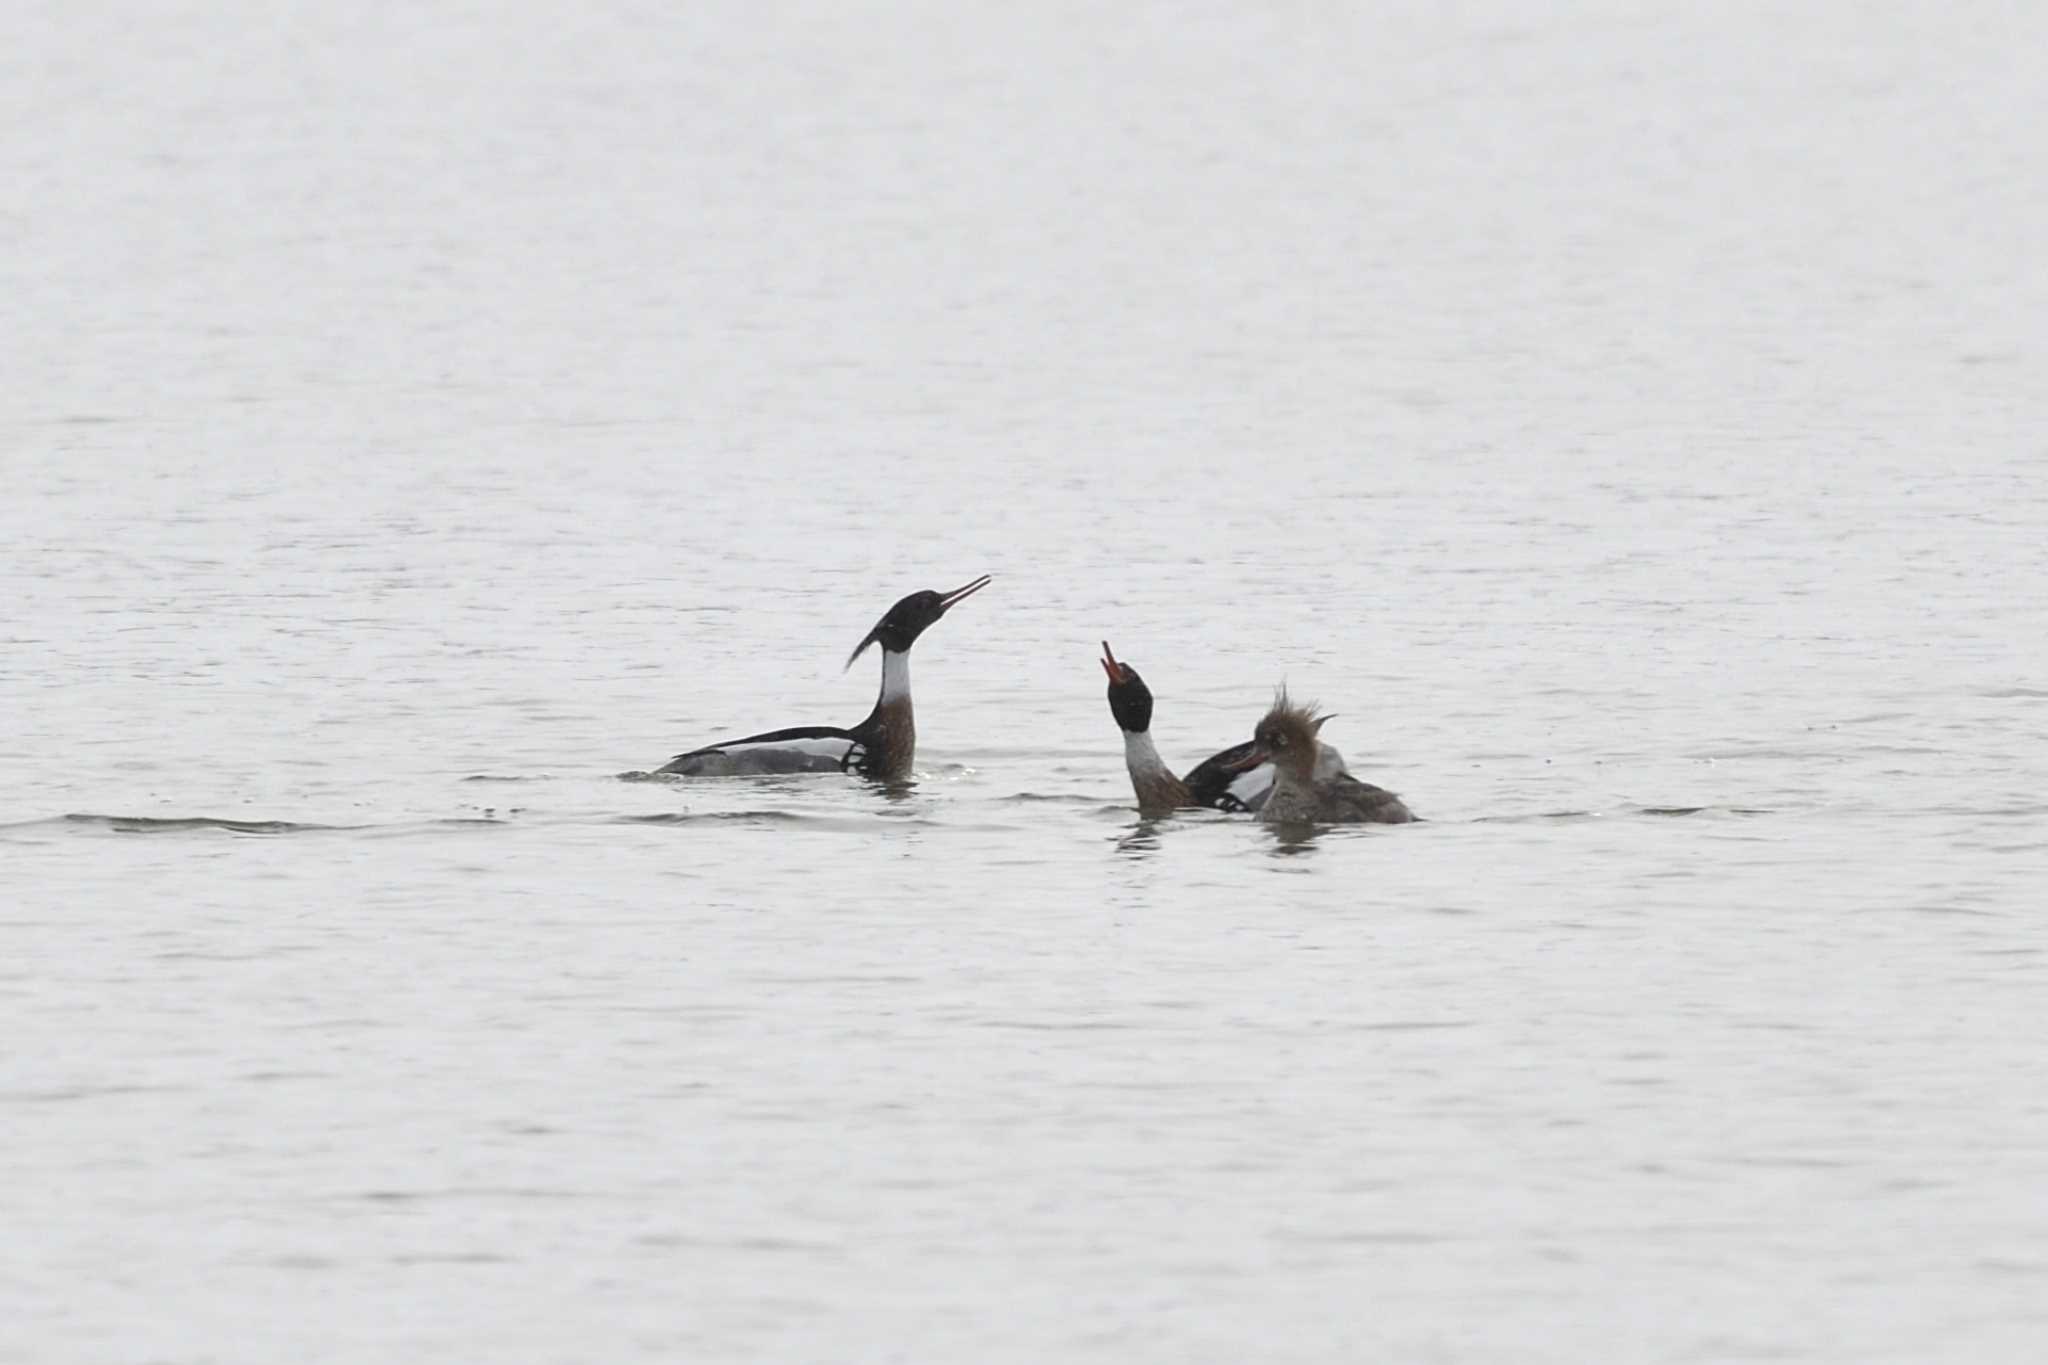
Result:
[[883, 746]]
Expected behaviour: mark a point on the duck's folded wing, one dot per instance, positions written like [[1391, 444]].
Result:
[[1218, 781], [800, 749], [1349, 799]]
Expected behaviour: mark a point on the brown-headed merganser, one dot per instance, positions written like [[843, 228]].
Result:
[[882, 746], [1233, 780], [1310, 784]]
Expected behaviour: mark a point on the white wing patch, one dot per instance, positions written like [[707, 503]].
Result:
[[1250, 789]]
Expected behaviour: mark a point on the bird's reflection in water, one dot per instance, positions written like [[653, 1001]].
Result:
[[1142, 840], [896, 792], [1292, 838]]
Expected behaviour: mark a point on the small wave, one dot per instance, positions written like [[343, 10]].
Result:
[[816, 821], [779, 819], [1534, 818], [1413, 1025], [692, 817], [1703, 810], [66, 1094], [1573, 816], [213, 824], [469, 1192], [1059, 1025], [1768, 754], [176, 824], [488, 820]]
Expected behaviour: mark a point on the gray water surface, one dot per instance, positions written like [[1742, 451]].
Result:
[[1629, 423]]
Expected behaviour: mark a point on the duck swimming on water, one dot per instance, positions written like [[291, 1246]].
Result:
[[1310, 783], [1234, 780], [881, 747]]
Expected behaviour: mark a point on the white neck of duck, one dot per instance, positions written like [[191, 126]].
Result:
[[895, 678], [891, 726], [1158, 790]]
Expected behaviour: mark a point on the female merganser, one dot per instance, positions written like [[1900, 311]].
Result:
[[1233, 780], [1310, 785], [881, 746]]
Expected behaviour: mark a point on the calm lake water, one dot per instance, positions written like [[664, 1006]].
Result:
[[1631, 424]]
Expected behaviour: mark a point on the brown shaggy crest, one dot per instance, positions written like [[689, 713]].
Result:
[[1289, 728]]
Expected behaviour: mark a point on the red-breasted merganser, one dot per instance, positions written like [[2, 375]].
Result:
[[882, 746], [1233, 780], [1310, 783]]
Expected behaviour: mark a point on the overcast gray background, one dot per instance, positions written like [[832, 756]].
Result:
[[1630, 422]]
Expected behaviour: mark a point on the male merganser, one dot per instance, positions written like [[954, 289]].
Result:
[[1310, 785], [1232, 780], [881, 746]]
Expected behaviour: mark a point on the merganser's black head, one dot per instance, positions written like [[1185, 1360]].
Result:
[[1286, 735], [1130, 701], [903, 623]]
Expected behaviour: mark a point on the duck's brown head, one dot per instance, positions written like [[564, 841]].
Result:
[[1287, 735]]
